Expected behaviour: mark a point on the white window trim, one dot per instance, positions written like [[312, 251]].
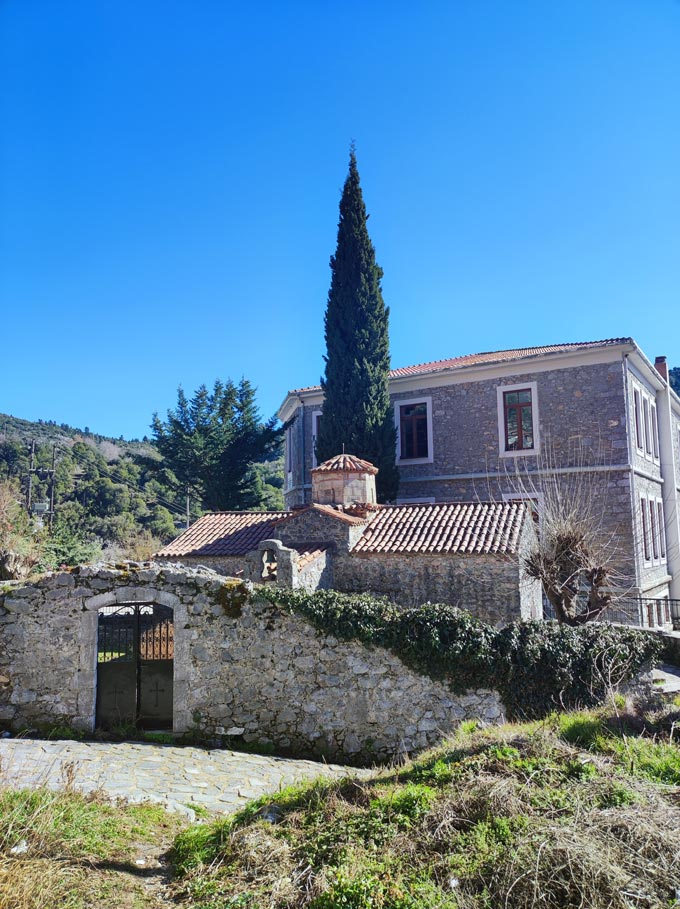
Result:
[[654, 421], [637, 420], [645, 523], [316, 414], [654, 530], [661, 530], [424, 399], [645, 424], [644, 405], [418, 500], [288, 473], [526, 452], [657, 531]]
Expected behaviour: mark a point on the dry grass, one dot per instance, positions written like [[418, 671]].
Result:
[[62, 850], [517, 818]]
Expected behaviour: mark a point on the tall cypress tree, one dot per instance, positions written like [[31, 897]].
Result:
[[357, 414]]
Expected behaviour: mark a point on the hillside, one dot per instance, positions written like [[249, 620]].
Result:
[[112, 496], [49, 432]]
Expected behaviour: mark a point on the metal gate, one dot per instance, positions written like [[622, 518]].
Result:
[[135, 650]]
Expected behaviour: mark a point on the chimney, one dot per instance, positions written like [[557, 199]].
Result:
[[661, 367]]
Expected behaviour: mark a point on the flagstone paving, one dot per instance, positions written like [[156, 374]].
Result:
[[178, 778]]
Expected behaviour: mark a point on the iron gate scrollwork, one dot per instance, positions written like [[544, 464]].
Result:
[[135, 652]]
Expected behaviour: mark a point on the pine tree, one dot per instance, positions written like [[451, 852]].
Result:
[[357, 414], [212, 441]]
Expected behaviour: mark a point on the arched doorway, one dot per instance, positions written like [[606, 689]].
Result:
[[135, 655]]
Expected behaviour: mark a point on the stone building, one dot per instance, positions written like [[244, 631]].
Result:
[[466, 554], [597, 417]]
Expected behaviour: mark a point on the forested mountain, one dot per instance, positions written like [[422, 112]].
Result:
[[112, 496]]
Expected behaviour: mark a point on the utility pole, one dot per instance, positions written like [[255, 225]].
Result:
[[188, 518], [50, 518], [43, 473], [29, 487]]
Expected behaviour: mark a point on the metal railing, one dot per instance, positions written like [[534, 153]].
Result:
[[638, 612]]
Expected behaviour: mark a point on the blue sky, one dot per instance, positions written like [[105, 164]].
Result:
[[170, 174]]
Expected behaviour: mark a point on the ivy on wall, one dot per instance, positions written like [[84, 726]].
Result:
[[536, 666]]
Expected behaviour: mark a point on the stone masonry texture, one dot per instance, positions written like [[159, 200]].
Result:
[[244, 669]]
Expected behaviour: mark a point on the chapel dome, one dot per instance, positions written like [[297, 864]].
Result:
[[347, 463], [344, 480]]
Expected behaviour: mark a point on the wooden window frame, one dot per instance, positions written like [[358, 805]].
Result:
[[501, 391], [410, 429], [520, 419], [407, 402]]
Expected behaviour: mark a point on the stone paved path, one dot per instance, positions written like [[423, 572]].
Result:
[[220, 781]]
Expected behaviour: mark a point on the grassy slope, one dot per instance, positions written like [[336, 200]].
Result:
[[567, 813], [579, 810], [74, 852]]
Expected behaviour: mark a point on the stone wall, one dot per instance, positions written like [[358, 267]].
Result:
[[229, 566], [488, 586], [316, 526], [242, 667], [273, 676]]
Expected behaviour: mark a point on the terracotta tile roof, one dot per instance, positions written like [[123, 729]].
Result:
[[334, 513], [308, 552], [232, 533], [468, 527], [345, 462], [496, 356]]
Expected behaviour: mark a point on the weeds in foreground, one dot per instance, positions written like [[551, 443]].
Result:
[[51, 843], [543, 815]]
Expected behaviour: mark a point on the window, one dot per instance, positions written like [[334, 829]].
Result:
[[414, 431], [316, 420], [653, 530], [645, 529], [662, 530], [648, 435], [517, 420], [289, 449], [638, 420], [413, 422], [655, 432]]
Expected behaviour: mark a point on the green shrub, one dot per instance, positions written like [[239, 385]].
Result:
[[543, 665], [656, 761]]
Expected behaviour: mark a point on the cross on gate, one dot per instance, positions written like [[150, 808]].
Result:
[[115, 691], [156, 691]]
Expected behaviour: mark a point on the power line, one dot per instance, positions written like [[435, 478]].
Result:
[[114, 475]]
